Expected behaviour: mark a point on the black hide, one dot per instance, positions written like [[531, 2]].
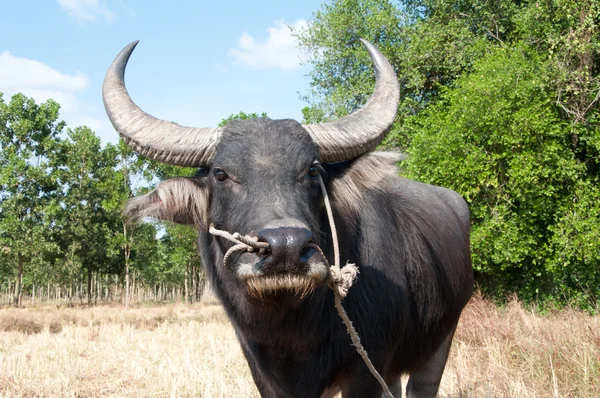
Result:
[[409, 240]]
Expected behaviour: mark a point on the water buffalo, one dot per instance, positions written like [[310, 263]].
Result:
[[260, 177]]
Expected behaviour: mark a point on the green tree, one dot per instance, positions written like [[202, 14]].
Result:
[[83, 168], [567, 33], [498, 139], [428, 48], [181, 251], [241, 116], [500, 102], [124, 183], [28, 133]]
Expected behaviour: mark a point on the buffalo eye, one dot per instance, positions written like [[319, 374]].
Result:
[[313, 171], [220, 174]]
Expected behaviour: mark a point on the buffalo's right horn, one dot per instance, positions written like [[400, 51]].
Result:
[[361, 131], [157, 139]]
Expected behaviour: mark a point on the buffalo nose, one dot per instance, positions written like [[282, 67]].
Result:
[[286, 246]]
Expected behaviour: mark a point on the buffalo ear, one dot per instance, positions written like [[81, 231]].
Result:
[[180, 200]]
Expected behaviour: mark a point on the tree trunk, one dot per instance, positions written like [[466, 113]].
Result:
[[71, 289], [89, 286], [19, 282], [200, 282], [132, 288], [194, 292], [127, 253], [97, 289], [186, 283]]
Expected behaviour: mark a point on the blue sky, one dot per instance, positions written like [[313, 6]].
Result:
[[197, 61]]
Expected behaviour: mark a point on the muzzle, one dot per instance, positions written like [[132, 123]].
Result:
[[280, 258]]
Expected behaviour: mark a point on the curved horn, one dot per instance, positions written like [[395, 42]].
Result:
[[361, 131], [157, 139]]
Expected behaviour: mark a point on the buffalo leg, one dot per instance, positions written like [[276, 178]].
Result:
[[263, 387], [424, 383], [265, 390], [358, 382], [369, 387]]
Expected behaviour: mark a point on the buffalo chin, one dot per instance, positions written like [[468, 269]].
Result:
[[269, 285], [261, 285]]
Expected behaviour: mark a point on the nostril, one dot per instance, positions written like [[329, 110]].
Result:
[[307, 252], [286, 244]]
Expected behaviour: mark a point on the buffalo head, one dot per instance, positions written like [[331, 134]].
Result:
[[256, 177]]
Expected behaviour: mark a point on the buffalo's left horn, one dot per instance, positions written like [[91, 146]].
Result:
[[157, 139], [362, 130]]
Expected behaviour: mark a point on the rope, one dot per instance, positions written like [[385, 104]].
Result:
[[340, 281], [334, 236], [246, 242]]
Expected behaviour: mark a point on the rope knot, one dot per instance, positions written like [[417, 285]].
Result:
[[342, 278]]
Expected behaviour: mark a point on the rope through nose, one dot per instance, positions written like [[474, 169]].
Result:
[[242, 242]]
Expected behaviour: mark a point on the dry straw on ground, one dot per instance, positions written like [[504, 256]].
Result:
[[190, 350]]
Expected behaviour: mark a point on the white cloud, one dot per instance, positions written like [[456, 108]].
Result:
[[22, 72], [41, 82], [85, 10], [279, 50]]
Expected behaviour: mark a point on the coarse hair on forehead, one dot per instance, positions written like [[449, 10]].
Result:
[[246, 141]]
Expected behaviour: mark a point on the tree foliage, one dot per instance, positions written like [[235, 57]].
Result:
[[28, 132], [61, 228], [500, 102], [241, 116], [499, 140]]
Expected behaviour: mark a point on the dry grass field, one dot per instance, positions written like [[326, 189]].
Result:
[[179, 350]]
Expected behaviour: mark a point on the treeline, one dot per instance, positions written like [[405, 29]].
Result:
[[500, 101], [62, 236]]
